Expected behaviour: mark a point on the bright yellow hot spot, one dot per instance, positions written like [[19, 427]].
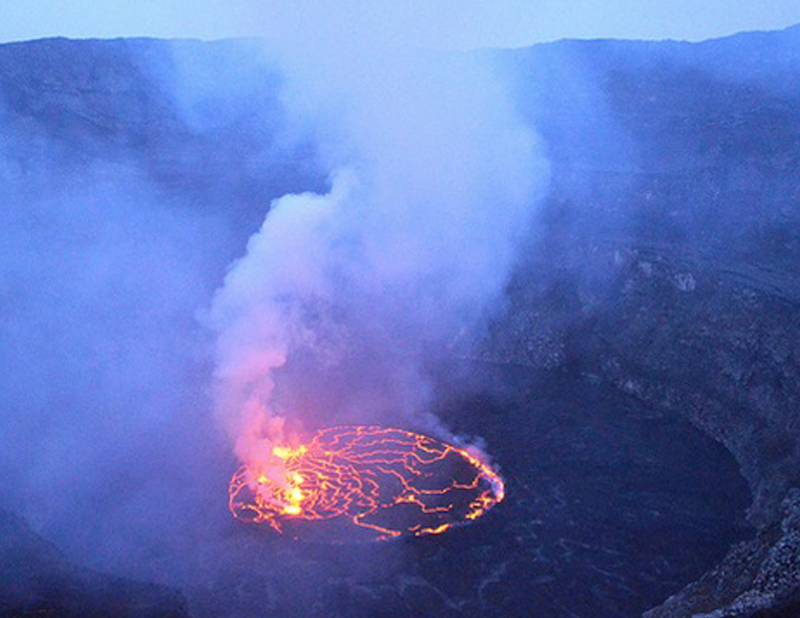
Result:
[[281, 452], [292, 509], [284, 452]]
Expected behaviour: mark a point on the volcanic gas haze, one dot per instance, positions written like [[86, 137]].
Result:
[[432, 182]]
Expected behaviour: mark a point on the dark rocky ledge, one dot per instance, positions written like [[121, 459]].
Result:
[[764, 574]]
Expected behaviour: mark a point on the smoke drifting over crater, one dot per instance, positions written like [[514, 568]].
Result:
[[135, 170], [339, 296]]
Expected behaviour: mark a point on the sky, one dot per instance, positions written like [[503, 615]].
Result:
[[448, 24]]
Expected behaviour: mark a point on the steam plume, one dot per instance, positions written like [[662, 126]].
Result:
[[432, 181]]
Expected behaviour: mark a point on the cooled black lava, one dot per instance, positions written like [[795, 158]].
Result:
[[611, 508]]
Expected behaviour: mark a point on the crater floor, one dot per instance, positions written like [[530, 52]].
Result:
[[610, 509]]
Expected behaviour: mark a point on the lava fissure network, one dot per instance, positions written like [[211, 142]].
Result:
[[366, 482]]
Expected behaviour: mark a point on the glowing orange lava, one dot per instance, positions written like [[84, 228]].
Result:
[[377, 481]]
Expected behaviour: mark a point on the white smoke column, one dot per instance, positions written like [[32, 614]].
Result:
[[255, 313], [433, 181]]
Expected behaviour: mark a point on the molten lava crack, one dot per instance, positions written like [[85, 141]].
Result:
[[385, 482]]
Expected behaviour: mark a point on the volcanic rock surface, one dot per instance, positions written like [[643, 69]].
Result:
[[663, 268]]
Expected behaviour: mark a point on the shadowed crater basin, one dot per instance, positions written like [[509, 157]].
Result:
[[610, 509]]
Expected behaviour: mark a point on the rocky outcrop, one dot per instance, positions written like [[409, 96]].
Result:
[[765, 572]]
